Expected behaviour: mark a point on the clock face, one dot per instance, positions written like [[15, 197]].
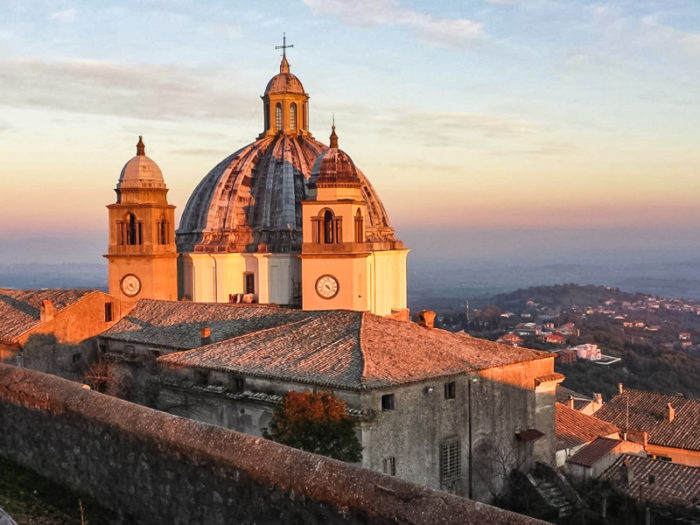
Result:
[[130, 285], [327, 286]]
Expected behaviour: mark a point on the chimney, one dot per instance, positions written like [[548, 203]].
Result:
[[598, 399], [570, 402], [47, 310], [619, 388], [645, 438], [426, 318], [206, 335], [628, 472], [670, 412]]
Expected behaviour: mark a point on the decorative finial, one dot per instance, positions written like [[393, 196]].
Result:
[[284, 66], [334, 137], [141, 147]]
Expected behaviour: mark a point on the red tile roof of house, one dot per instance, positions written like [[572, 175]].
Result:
[[594, 451], [574, 428], [352, 350], [647, 412], [20, 310], [674, 485]]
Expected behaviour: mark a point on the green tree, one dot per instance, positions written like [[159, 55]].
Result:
[[315, 422]]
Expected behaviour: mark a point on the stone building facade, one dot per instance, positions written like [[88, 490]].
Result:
[[443, 410], [52, 330], [182, 471]]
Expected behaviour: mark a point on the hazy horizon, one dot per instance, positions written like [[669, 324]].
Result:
[[473, 245], [445, 267]]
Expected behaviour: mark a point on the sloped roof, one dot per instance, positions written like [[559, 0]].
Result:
[[673, 484], [20, 310], [178, 325], [594, 451], [580, 401], [574, 428], [647, 413], [353, 350]]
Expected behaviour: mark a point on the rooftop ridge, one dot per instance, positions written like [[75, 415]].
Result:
[[256, 334], [360, 341]]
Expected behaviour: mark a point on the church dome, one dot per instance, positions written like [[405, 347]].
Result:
[[141, 171], [284, 82], [251, 200], [334, 167]]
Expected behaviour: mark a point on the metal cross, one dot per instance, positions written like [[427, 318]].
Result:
[[284, 45]]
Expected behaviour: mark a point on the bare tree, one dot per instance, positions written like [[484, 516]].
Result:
[[100, 376]]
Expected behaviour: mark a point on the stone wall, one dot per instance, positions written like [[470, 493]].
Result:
[[153, 467]]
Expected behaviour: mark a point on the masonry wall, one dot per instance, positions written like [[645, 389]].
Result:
[[152, 467], [82, 320], [423, 421]]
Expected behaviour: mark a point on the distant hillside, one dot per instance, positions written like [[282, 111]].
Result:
[[656, 339], [562, 296], [53, 276]]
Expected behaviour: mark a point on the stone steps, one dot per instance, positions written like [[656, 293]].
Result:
[[554, 497]]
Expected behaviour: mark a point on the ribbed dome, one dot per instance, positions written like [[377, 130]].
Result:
[[254, 196], [284, 82], [334, 166], [141, 171]]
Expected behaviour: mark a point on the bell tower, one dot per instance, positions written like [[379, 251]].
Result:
[[141, 253], [341, 267]]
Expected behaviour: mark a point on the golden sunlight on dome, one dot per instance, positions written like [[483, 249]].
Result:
[[141, 171]]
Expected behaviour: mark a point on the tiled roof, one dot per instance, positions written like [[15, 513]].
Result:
[[580, 401], [646, 412], [594, 451], [574, 428], [178, 325], [352, 350], [20, 309], [673, 484]]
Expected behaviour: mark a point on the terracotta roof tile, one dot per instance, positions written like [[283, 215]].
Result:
[[20, 309], [178, 325], [673, 484], [594, 451], [322, 348], [353, 350], [647, 413], [574, 428]]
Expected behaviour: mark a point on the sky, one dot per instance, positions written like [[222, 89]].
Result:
[[488, 115]]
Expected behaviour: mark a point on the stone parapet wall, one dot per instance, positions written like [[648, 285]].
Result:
[[152, 467]]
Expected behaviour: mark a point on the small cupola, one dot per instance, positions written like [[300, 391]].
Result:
[[141, 171], [285, 103], [334, 167]]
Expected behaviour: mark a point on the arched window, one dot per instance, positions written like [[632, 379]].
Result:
[[328, 227], [162, 230], [131, 229], [293, 116], [359, 223], [267, 116], [278, 117], [305, 112]]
